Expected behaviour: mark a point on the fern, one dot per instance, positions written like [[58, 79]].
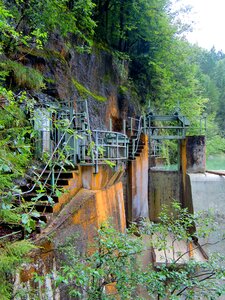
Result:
[[14, 144], [9, 216]]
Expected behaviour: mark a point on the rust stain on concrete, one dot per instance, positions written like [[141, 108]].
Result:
[[183, 152], [138, 184], [103, 179], [27, 274], [74, 185], [82, 211]]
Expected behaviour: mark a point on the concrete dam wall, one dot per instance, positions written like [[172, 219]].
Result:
[[164, 188], [207, 192]]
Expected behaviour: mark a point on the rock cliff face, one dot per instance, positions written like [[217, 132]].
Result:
[[102, 79], [98, 76]]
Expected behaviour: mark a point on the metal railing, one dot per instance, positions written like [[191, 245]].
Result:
[[70, 132], [107, 147], [73, 142], [199, 127], [166, 127], [133, 126], [155, 148], [58, 158], [136, 140]]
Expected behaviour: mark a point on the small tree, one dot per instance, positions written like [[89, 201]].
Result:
[[117, 256], [181, 274], [113, 263]]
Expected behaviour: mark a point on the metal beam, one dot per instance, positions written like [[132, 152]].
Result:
[[166, 137]]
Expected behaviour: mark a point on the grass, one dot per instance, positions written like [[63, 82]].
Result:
[[24, 76], [84, 92]]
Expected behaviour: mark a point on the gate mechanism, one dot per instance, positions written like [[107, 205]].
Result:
[[165, 132], [167, 127]]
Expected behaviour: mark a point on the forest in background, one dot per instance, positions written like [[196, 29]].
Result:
[[163, 70]]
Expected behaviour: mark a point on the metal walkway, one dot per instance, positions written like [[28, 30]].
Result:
[[69, 140], [66, 138]]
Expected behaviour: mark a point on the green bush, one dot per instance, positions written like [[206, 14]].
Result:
[[118, 260]]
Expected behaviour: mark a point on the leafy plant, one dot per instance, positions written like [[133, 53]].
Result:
[[114, 266], [179, 272], [12, 255], [15, 144], [22, 22], [112, 263]]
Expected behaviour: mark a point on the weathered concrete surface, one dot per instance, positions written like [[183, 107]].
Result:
[[195, 153], [164, 187], [204, 192], [137, 190], [85, 213], [89, 200], [74, 185], [104, 178], [79, 219]]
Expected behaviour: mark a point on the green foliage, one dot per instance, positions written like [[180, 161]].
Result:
[[112, 262], [15, 155], [84, 92], [11, 258], [162, 69], [8, 216], [215, 145], [24, 24], [116, 259], [7, 30], [211, 73], [176, 277], [73, 17], [25, 77], [14, 142]]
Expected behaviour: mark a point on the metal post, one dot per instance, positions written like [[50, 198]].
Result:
[[131, 126], [117, 150], [144, 121], [110, 124], [96, 153], [83, 149], [133, 147], [183, 129], [50, 137], [74, 149], [53, 179], [71, 110], [124, 126], [179, 154]]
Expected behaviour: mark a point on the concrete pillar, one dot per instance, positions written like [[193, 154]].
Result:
[[164, 188], [195, 154], [193, 160], [137, 188]]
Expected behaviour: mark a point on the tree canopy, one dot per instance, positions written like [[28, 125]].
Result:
[[163, 70]]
